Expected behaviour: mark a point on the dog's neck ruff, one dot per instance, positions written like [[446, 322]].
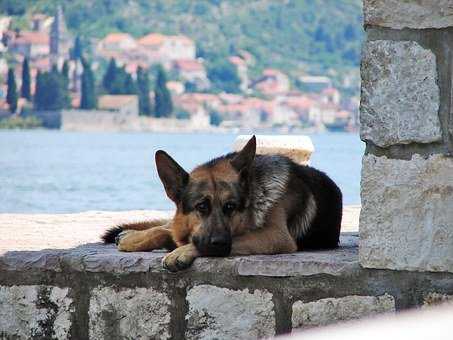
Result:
[[269, 186]]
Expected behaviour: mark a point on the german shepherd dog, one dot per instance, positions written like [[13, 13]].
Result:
[[238, 204]]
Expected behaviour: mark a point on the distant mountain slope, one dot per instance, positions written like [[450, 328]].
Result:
[[292, 35]]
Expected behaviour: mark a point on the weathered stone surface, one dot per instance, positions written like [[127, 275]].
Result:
[[331, 310], [341, 261], [407, 217], [408, 14], [400, 95], [100, 258], [435, 299], [139, 313], [35, 311], [220, 313]]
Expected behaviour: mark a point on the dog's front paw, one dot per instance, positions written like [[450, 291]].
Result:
[[180, 258]]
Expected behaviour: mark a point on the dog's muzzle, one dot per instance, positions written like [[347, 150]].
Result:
[[218, 245]]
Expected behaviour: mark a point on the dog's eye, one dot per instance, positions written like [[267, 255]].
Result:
[[202, 207], [229, 207]]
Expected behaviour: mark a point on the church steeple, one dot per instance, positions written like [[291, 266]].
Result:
[[59, 38]]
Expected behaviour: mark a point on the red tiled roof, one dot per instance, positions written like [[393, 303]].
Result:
[[117, 37], [34, 38], [188, 65], [152, 39]]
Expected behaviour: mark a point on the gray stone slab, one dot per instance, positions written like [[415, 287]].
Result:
[[341, 261], [400, 95], [332, 310], [42, 312], [138, 313], [220, 313], [100, 258], [408, 14], [407, 217]]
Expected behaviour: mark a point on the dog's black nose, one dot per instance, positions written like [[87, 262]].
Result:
[[219, 241]]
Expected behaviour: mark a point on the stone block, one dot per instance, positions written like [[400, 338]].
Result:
[[332, 310], [298, 148], [400, 95], [42, 312], [408, 14], [406, 222], [138, 313], [220, 313]]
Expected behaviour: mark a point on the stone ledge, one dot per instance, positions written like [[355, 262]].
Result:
[[97, 257]]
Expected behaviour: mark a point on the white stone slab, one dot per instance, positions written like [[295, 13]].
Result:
[[406, 221]]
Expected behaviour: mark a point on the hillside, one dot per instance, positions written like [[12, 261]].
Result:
[[293, 35]]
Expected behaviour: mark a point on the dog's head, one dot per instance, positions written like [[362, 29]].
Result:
[[211, 201]]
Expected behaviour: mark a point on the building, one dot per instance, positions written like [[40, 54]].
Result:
[[272, 82], [30, 44], [124, 104], [192, 71], [314, 83], [117, 42], [167, 48]]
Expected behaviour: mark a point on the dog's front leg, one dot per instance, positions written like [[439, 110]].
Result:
[[180, 258], [272, 238], [263, 241]]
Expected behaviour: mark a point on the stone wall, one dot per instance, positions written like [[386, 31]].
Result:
[[95, 292], [407, 123]]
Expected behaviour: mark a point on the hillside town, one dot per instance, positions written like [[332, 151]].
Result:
[[196, 95]]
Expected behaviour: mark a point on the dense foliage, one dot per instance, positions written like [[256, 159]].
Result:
[[224, 77], [117, 81], [51, 91], [292, 35]]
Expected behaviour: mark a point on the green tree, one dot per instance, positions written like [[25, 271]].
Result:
[[25, 87], [144, 103], [77, 51], [163, 105], [65, 77], [88, 100], [224, 77], [109, 76], [129, 84], [65, 70], [51, 92], [11, 94]]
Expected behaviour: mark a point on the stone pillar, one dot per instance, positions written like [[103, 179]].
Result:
[[407, 123]]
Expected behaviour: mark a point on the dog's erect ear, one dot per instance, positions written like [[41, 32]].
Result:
[[244, 158], [172, 175]]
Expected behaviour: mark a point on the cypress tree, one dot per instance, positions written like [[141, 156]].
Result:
[[108, 81], [77, 50], [143, 92], [65, 71], [25, 88], [88, 100], [11, 94], [129, 84], [163, 106]]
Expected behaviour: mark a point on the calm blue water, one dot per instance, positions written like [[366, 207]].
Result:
[[54, 171]]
